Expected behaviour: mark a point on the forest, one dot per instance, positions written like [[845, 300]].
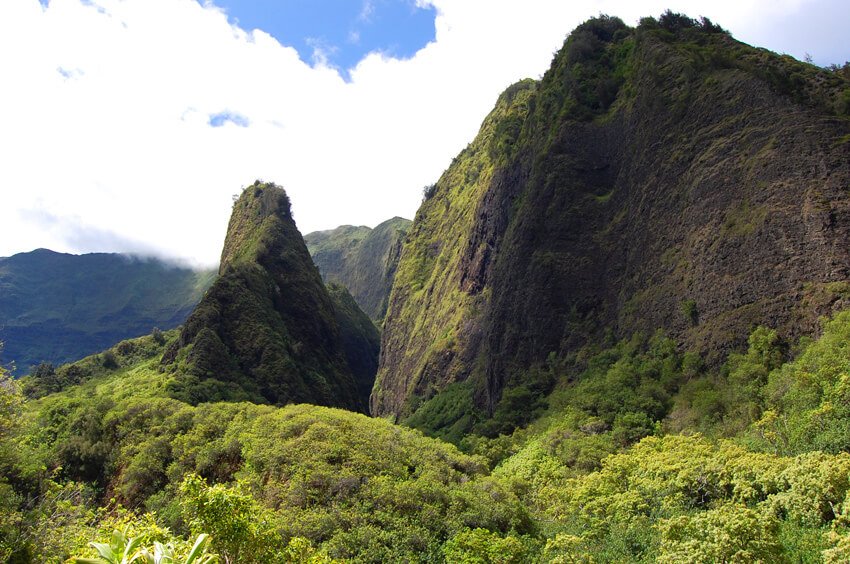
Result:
[[644, 455]]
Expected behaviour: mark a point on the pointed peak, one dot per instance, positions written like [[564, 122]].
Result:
[[260, 207]]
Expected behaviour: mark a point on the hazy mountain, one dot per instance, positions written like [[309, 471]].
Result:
[[57, 307], [363, 260]]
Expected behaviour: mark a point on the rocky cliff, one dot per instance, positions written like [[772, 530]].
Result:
[[664, 177], [268, 329], [363, 260]]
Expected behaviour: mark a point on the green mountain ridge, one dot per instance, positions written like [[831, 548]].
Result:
[[57, 307], [267, 329], [659, 177], [621, 314], [363, 260]]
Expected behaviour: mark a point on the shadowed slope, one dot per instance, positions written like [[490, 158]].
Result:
[[660, 177], [267, 329]]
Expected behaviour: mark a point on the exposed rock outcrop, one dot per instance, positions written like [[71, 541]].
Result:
[[660, 177]]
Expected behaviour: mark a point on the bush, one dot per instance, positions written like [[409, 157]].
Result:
[[480, 546], [428, 192], [730, 533], [242, 530], [108, 360], [674, 22], [157, 335]]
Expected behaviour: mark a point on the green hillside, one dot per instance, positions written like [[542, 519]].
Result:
[[592, 479], [58, 307], [361, 259]]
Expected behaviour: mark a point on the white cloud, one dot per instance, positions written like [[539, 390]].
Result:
[[105, 111]]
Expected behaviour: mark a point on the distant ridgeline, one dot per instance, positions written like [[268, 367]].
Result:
[[57, 307], [267, 329], [660, 177], [361, 259]]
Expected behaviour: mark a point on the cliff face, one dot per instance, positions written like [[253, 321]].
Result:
[[361, 259], [661, 177], [268, 329]]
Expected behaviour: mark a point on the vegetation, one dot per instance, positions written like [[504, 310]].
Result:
[[360, 488], [57, 308], [526, 435], [604, 474], [361, 259]]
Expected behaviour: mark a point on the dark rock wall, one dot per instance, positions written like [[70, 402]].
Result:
[[705, 200]]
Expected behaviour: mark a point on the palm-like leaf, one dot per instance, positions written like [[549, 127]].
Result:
[[122, 550], [163, 554], [198, 549], [142, 556], [106, 551], [130, 554]]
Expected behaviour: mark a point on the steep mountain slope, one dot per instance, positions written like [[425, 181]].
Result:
[[361, 341], [57, 307], [660, 177], [361, 259], [268, 329]]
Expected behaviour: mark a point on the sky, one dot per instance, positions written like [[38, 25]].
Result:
[[129, 125]]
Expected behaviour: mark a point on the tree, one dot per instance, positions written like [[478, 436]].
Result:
[[11, 401], [242, 530]]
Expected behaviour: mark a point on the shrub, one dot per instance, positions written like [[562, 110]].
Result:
[[730, 533], [108, 360], [480, 546], [428, 192]]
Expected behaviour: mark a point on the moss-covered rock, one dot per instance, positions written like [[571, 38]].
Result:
[[267, 330], [650, 167]]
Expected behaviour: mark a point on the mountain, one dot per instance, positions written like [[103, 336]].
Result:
[[57, 307], [363, 260], [581, 247], [268, 329], [664, 177]]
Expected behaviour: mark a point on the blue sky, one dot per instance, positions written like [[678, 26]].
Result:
[[128, 125], [338, 32]]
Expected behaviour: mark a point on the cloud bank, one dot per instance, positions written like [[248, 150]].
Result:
[[139, 119]]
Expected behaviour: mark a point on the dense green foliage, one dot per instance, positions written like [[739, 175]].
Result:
[[58, 308], [360, 488], [603, 475]]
